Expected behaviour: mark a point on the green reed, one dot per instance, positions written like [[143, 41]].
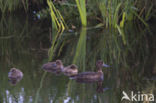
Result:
[[114, 12], [12, 5], [57, 19], [81, 4], [118, 12]]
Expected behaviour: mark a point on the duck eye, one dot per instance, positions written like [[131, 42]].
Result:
[[58, 62], [13, 70], [72, 67]]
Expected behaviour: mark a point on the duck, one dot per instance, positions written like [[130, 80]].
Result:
[[54, 67], [15, 75], [70, 70], [91, 76]]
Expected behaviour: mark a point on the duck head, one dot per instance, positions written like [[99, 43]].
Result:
[[70, 70], [59, 64], [73, 67], [15, 75], [100, 64], [12, 70]]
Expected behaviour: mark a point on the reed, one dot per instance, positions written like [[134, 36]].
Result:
[[12, 5], [81, 4], [57, 19], [113, 12], [118, 12]]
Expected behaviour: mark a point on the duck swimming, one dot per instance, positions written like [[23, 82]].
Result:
[[15, 75], [54, 67], [70, 70], [91, 76]]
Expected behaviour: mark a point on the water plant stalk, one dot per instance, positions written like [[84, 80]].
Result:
[[81, 4]]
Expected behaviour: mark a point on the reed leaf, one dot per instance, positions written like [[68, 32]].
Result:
[[122, 34], [140, 19], [123, 20], [82, 11], [116, 17], [57, 19]]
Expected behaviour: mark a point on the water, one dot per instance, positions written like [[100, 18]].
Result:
[[24, 44]]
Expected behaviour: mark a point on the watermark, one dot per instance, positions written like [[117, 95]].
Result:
[[137, 96]]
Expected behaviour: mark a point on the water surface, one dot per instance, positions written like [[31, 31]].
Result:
[[24, 44]]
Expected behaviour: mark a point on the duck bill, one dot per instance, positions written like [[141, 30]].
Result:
[[105, 65]]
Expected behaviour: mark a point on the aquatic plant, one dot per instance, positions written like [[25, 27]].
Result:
[[57, 19], [13, 5], [116, 13], [81, 4], [112, 13]]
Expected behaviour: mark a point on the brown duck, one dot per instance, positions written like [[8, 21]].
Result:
[[91, 76], [15, 75], [70, 70], [54, 67]]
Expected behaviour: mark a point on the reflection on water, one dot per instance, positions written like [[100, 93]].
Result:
[[132, 64]]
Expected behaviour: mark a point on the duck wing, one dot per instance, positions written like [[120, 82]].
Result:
[[49, 66]]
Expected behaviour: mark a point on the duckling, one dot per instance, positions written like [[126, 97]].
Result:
[[70, 70], [54, 67], [91, 76], [15, 75]]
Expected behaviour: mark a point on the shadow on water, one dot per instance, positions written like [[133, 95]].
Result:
[[25, 45]]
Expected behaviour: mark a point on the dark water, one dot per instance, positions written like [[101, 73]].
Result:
[[24, 44]]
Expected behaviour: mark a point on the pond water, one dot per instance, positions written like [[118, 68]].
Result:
[[24, 44]]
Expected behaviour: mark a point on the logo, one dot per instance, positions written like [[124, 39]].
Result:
[[137, 97]]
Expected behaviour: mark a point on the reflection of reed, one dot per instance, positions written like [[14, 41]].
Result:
[[80, 52], [40, 87], [79, 57], [52, 50], [12, 34]]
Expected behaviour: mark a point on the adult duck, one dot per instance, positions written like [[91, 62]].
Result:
[[15, 75], [54, 67], [91, 76], [70, 70]]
